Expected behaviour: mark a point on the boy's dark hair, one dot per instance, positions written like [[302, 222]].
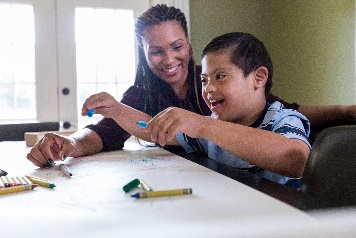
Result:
[[145, 78], [247, 52]]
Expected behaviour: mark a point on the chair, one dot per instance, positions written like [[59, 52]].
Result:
[[330, 172], [315, 130], [16, 131]]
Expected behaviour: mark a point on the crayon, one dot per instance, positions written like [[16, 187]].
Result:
[[65, 170], [163, 193], [27, 180], [17, 183], [145, 185], [2, 185], [42, 183], [9, 181], [17, 189], [21, 180], [5, 182], [142, 124], [133, 184], [90, 112], [33, 177]]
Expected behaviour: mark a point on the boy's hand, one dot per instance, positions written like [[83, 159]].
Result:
[[165, 125]]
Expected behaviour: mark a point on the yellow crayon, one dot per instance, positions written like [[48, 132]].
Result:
[[27, 180], [162, 193], [17, 189], [42, 183], [30, 176]]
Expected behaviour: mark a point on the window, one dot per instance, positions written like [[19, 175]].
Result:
[[17, 71], [105, 55], [59, 52]]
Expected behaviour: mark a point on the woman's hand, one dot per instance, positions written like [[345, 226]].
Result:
[[102, 103], [51, 146]]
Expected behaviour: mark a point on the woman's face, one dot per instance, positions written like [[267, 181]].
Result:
[[167, 51]]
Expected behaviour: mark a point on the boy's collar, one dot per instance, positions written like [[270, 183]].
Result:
[[260, 119]]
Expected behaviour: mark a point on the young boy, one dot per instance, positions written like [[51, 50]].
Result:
[[244, 130]]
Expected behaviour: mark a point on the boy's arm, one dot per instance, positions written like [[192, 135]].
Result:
[[265, 149]]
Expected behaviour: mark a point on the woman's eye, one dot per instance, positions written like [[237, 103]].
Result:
[[155, 52], [177, 47]]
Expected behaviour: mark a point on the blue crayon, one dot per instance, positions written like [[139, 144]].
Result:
[[142, 124], [90, 112]]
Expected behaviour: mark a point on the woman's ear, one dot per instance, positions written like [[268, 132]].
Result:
[[261, 76]]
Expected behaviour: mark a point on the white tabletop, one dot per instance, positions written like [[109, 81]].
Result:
[[92, 203]]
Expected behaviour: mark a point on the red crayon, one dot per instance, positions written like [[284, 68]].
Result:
[[16, 181]]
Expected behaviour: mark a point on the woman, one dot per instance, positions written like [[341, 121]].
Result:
[[165, 77]]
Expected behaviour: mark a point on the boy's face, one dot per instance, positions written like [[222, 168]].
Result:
[[230, 95]]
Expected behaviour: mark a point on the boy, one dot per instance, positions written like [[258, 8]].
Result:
[[244, 130]]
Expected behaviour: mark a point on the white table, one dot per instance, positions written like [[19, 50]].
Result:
[[92, 203]]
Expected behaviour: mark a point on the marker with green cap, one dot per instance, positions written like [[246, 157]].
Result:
[[133, 184]]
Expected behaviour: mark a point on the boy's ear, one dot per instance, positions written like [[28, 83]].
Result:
[[261, 76]]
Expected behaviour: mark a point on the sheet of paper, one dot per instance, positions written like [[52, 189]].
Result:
[[92, 201]]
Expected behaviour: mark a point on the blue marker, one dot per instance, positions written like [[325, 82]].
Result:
[[142, 124], [90, 112]]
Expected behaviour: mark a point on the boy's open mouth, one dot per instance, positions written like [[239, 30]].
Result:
[[215, 103]]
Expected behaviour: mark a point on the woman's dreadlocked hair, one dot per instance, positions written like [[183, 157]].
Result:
[[145, 78]]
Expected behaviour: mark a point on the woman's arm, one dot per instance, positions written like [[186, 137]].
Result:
[[319, 115]]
